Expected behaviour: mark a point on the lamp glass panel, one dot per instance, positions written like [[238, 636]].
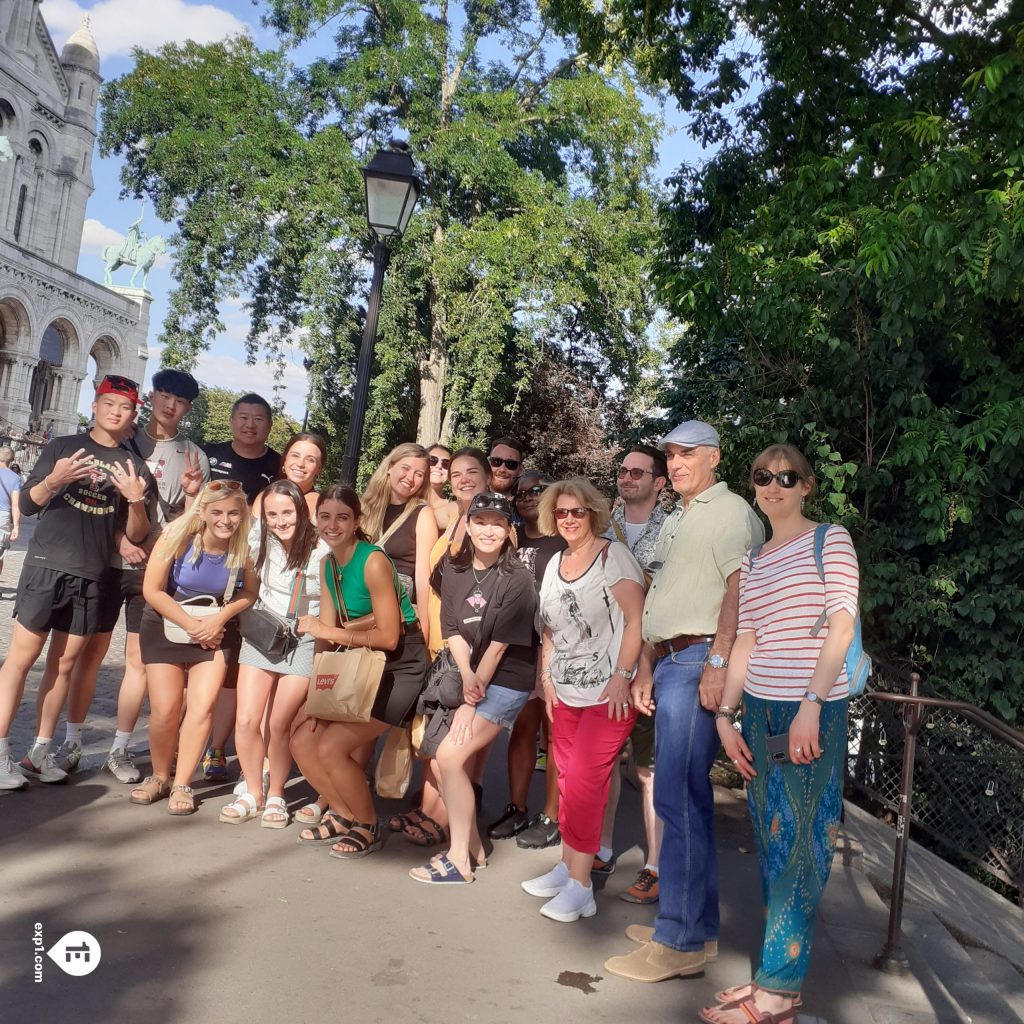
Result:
[[385, 204]]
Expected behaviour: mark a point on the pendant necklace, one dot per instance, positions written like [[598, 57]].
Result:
[[479, 580]]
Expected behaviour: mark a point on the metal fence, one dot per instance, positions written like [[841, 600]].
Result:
[[967, 795]]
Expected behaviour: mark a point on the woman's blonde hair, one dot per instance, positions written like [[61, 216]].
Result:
[[585, 493], [377, 495], [794, 459], [188, 528]]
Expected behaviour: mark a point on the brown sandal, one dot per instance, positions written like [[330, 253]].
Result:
[[425, 832], [151, 789], [186, 797]]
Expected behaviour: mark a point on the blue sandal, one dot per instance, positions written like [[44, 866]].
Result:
[[441, 871]]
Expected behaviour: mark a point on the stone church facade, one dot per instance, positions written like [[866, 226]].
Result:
[[51, 318]]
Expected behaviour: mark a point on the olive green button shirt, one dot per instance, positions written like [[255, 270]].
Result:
[[698, 549]]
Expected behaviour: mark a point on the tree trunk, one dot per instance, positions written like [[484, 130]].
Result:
[[434, 366]]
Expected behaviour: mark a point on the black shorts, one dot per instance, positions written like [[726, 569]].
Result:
[[405, 673], [50, 600], [122, 587]]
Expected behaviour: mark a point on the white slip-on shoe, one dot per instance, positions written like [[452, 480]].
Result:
[[572, 902], [549, 884]]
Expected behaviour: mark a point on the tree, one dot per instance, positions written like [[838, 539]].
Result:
[[849, 268], [533, 233]]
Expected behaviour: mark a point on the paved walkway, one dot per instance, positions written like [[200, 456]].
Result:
[[203, 921]]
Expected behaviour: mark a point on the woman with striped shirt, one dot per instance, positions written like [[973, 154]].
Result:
[[798, 603]]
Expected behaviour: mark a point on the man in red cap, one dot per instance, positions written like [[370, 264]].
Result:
[[85, 489]]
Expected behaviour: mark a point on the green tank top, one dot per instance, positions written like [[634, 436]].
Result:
[[353, 585]]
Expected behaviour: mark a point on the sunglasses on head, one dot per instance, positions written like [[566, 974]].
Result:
[[223, 485], [633, 472], [507, 463], [787, 477], [532, 492], [121, 383], [576, 513], [436, 460]]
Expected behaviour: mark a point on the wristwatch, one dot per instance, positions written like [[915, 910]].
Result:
[[812, 697], [717, 661], [626, 673]]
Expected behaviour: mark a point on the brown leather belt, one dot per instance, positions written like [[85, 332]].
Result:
[[679, 643]]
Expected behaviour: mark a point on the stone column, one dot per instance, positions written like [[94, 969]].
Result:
[[20, 380]]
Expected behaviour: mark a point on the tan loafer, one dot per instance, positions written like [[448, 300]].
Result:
[[655, 962], [644, 933]]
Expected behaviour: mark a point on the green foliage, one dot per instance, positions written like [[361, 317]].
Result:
[[534, 232], [849, 268]]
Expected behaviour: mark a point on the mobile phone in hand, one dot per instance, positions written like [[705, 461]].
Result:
[[778, 748]]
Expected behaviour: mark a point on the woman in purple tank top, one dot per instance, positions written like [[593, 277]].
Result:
[[204, 553]]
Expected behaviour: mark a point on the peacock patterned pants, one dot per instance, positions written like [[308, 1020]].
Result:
[[795, 811]]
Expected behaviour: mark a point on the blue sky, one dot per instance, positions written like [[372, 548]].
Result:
[[118, 25]]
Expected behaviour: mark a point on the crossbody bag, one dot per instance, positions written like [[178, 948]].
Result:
[[275, 638], [200, 607]]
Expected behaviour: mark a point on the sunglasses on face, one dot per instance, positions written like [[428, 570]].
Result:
[[576, 513], [787, 477], [531, 492], [633, 472], [436, 460], [507, 463], [224, 485]]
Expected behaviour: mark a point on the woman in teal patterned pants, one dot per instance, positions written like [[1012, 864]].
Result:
[[796, 620]]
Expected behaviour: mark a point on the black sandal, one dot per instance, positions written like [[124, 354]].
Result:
[[363, 836], [333, 827], [425, 832]]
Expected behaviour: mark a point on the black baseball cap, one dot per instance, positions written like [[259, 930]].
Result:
[[176, 382], [492, 502]]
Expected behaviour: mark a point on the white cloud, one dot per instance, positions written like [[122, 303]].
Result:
[[96, 235], [227, 372], [118, 25]]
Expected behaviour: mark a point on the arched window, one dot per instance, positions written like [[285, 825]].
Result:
[[22, 199]]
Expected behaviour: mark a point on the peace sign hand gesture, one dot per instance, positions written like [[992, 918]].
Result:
[[128, 482], [68, 470], [192, 477]]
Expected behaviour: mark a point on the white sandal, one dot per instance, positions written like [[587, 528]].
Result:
[[310, 816], [277, 807], [244, 807]]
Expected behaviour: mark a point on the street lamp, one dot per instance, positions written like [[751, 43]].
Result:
[[392, 189]]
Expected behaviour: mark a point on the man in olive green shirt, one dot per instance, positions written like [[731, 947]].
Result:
[[689, 626]]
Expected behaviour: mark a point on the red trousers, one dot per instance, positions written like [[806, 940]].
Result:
[[586, 744]]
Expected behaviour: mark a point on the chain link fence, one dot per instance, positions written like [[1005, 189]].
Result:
[[968, 798]]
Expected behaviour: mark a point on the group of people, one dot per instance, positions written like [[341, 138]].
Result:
[[503, 601]]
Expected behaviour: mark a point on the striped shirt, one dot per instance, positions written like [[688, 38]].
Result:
[[781, 599]]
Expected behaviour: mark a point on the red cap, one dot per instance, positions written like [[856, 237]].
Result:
[[115, 384]]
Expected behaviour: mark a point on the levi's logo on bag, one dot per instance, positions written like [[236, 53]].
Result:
[[326, 682]]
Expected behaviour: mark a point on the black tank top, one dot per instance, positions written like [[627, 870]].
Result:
[[401, 545]]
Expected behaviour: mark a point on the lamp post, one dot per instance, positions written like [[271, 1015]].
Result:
[[392, 189]]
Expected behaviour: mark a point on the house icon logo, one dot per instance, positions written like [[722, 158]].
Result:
[[77, 954]]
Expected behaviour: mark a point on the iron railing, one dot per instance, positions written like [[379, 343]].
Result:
[[952, 771]]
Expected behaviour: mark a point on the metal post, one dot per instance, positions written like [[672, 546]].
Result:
[[354, 441], [892, 959], [307, 364]]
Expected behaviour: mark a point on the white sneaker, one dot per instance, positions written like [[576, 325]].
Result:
[[11, 776], [45, 768], [68, 755], [120, 764], [241, 788], [549, 884], [572, 902]]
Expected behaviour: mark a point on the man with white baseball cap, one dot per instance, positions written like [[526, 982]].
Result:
[[689, 626]]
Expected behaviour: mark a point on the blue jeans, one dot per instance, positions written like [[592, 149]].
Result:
[[685, 744]]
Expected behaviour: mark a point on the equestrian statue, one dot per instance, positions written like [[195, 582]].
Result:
[[136, 251]]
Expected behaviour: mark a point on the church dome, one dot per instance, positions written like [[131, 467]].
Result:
[[81, 49]]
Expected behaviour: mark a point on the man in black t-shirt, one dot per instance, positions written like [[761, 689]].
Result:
[[85, 489], [246, 457]]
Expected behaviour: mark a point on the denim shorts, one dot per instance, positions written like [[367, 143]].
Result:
[[502, 705]]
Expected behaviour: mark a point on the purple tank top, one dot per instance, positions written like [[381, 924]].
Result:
[[207, 576]]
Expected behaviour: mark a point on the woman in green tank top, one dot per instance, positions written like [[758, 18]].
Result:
[[367, 607]]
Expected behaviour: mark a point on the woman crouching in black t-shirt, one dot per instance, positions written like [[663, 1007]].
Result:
[[488, 605]]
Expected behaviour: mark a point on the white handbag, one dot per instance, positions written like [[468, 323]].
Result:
[[200, 608]]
